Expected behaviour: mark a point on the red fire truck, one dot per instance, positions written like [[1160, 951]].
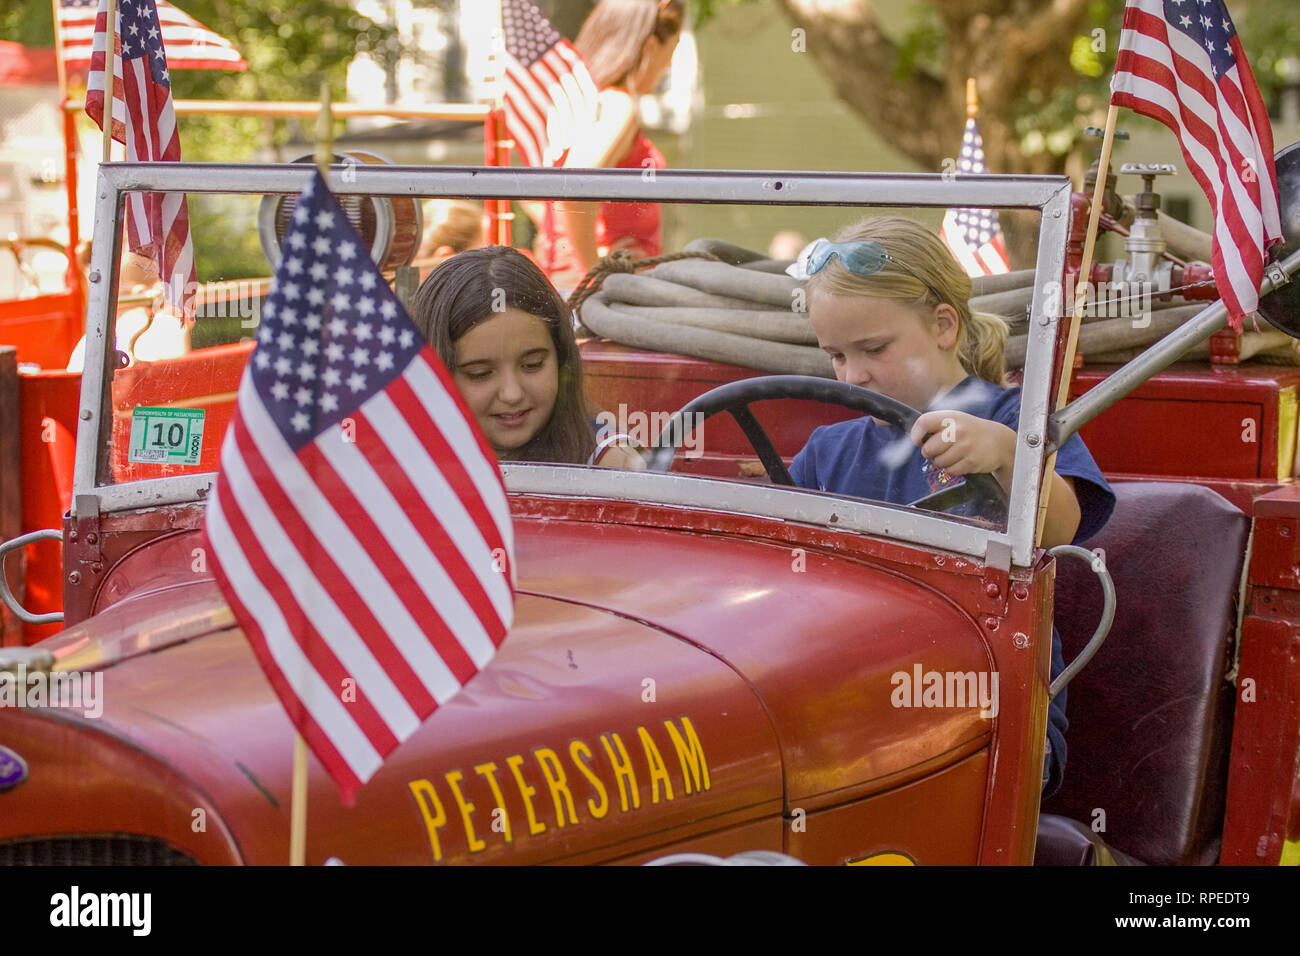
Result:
[[705, 662]]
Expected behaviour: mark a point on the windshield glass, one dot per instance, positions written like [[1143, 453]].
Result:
[[872, 296]]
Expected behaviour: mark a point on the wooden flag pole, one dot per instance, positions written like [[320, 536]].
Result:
[[298, 804], [110, 66], [58, 53], [298, 807], [325, 132], [73, 274], [1080, 303]]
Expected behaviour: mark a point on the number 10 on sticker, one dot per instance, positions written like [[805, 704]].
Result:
[[170, 436]]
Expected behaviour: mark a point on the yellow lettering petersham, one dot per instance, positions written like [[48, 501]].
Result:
[[624, 775], [431, 809], [655, 761], [489, 770], [690, 754], [514, 762], [557, 783], [597, 812], [454, 777]]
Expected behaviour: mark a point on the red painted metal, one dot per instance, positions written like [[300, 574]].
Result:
[[713, 608], [45, 328], [75, 280], [48, 403], [496, 152], [206, 379], [1166, 426]]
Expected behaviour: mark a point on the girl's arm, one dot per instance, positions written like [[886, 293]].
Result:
[[964, 444], [599, 147], [1063, 514]]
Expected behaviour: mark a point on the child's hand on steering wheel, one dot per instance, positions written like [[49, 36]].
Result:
[[964, 444]]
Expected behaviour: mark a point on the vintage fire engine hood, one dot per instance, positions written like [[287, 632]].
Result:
[[654, 680]]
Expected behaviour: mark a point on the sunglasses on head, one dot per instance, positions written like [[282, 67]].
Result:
[[863, 257]]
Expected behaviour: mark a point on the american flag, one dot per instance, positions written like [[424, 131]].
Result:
[[190, 45], [157, 224], [359, 527], [974, 236], [1181, 62], [549, 95]]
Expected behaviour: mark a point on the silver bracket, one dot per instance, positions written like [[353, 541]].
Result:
[[996, 579], [1276, 274]]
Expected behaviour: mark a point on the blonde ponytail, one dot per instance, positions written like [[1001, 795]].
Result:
[[982, 345]]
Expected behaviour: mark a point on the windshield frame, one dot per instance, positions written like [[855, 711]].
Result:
[[1049, 195]]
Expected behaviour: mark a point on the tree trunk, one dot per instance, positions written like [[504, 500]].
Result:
[[1009, 46]]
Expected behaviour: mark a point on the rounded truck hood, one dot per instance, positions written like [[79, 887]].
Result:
[[654, 680], [822, 639], [587, 737]]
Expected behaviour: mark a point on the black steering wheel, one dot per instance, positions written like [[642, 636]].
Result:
[[977, 495]]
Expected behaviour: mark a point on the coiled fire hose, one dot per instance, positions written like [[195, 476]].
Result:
[[719, 301]]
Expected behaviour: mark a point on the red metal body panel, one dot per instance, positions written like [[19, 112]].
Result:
[[941, 812], [120, 786], [45, 328], [1191, 422], [783, 675], [206, 379], [1263, 801], [48, 402]]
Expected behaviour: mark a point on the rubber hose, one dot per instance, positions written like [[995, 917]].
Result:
[[703, 343], [722, 279], [770, 326], [1109, 335], [1011, 304], [647, 289], [728, 252], [989, 285]]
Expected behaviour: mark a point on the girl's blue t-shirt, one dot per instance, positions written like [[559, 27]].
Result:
[[868, 460]]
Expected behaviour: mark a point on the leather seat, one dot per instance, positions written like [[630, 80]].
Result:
[[1066, 842], [1151, 714]]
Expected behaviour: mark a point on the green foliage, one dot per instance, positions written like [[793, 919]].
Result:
[[923, 45], [1053, 122], [1270, 34], [702, 11]]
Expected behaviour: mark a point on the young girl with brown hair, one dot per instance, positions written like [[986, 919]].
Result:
[[506, 337]]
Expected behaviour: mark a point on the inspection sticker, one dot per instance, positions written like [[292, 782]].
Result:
[[166, 436]]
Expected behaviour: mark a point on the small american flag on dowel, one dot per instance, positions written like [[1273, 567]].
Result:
[[974, 236], [549, 95], [1182, 63], [190, 45], [157, 224], [359, 527]]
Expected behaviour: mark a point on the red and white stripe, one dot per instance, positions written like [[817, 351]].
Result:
[[373, 559], [549, 104], [1226, 138], [144, 121], [987, 259], [190, 45]]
